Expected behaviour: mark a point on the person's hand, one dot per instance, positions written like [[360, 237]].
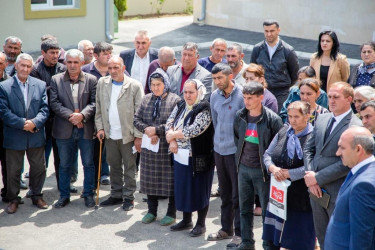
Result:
[[137, 144], [310, 179], [154, 139], [29, 126], [80, 125], [316, 190], [150, 131], [285, 173], [277, 172], [100, 134], [173, 147], [75, 118], [169, 136]]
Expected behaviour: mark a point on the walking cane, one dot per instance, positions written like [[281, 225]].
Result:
[[99, 169]]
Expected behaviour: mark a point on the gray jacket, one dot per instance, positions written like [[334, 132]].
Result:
[[281, 71], [267, 127], [320, 156]]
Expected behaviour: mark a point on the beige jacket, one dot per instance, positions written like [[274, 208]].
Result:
[[339, 69], [128, 101]]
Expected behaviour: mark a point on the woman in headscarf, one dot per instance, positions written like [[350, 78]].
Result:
[[156, 172], [190, 133], [284, 160], [363, 74]]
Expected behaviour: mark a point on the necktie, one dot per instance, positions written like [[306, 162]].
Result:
[[350, 174], [329, 128]]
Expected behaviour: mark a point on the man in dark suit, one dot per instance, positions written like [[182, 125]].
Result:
[[189, 69], [325, 170], [138, 60], [352, 225], [73, 101], [24, 110]]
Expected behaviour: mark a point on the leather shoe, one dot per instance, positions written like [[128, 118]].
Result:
[[40, 203], [89, 201], [12, 207], [198, 230], [182, 225], [62, 202], [111, 201]]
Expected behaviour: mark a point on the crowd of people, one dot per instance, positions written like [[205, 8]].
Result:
[[175, 121]]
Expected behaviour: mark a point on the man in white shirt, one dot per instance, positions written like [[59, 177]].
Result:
[[138, 60], [117, 99], [352, 224]]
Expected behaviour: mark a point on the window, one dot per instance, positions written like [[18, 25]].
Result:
[[54, 8], [52, 4]]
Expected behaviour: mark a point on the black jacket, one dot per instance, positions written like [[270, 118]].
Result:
[[267, 127], [128, 57], [281, 71]]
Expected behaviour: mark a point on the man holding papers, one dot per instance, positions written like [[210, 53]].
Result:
[[156, 173], [117, 99]]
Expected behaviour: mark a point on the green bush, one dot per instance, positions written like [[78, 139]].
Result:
[[121, 7]]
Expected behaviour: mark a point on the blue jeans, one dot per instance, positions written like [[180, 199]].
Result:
[[67, 150], [250, 181]]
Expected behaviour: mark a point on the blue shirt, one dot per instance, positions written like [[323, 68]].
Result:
[[24, 88], [206, 63], [223, 111]]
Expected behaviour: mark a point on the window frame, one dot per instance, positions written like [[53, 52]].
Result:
[[49, 6], [55, 12]]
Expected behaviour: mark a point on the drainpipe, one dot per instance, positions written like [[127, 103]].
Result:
[[108, 34], [203, 12]]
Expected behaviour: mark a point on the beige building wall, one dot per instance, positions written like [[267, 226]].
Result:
[[146, 7], [69, 30], [353, 21]]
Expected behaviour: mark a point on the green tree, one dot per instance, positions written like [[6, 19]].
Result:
[[121, 7]]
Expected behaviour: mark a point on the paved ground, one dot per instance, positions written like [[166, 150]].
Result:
[[75, 226]]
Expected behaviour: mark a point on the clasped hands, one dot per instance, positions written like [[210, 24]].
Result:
[[312, 184], [151, 132], [29, 126], [76, 119], [280, 174], [171, 139]]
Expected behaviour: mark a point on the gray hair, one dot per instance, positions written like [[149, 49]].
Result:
[[191, 46], [365, 91], [5, 56], [237, 47], [219, 40], [74, 53], [82, 43], [142, 33], [13, 40], [166, 54], [24, 56], [366, 142]]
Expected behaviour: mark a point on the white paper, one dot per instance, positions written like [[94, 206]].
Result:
[[146, 143], [278, 197], [134, 150], [182, 156]]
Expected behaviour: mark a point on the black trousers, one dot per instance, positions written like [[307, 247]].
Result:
[[228, 182], [153, 202]]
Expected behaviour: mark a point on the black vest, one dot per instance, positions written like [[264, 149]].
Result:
[[298, 196], [202, 146]]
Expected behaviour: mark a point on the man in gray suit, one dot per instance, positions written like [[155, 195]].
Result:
[[73, 101], [189, 69], [325, 171]]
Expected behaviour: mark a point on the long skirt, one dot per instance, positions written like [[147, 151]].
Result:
[[297, 232], [192, 191]]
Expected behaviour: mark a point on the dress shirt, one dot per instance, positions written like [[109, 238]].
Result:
[[272, 50], [24, 89], [140, 68], [362, 163], [339, 118]]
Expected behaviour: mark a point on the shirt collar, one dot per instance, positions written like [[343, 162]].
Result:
[[362, 163], [274, 47], [146, 57], [340, 117], [233, 90], [19, 82], [81, 77]]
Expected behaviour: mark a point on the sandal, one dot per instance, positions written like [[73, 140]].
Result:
[[220, 235]]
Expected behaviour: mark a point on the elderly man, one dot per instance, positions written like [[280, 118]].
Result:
[[325, 169], [279, 61], [12, 48], [166, 58], [352, 225], [138, 60], [99, 68], [117, 99], [44, 71], [73, 102], [218, 50], [189, 69], [24, 110], [87, 48]]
